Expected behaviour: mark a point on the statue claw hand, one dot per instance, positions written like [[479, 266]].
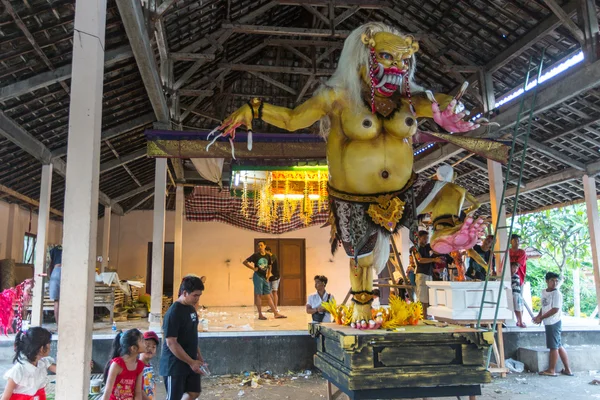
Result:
[[461, 237], [243, 116], [450, 120]]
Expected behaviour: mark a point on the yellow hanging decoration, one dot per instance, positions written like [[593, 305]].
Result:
[[245, 204], [265, 202]]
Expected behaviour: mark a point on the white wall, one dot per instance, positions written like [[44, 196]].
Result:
[[206, 248]]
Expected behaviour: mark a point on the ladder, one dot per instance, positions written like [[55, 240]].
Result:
[[518, 167]]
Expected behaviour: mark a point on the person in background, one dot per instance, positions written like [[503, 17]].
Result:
[[313, 304], [123, 372], [423, 256], [515, 284], [28, 377], [259, 262], [476, 271], [54, 270], [519, 256], [376, 299], [148, 381], [551, 316], [181, 360], [274, 279]]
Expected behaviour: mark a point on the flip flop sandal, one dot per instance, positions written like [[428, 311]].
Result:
[[544, 373], [262, 318], [280, 316], [563, 372]]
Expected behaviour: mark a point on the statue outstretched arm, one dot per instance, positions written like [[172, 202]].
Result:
[[477, 258], [422, 104], [474, 203], [289, 119]]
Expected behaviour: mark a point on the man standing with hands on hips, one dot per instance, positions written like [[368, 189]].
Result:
[[259, 262]]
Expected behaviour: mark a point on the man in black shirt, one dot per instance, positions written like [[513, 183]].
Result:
[[425, 260], [181, 360], [274, 279], [260, 262], [475, 270]]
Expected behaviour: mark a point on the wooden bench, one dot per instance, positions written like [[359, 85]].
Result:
[[104, 296]]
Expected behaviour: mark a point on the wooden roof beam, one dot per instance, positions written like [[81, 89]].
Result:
[[195, 92], [549, 95], [60, 74], [368, 4], [275, 69], [566, 20], [19, 136], [283, 31], [133, 19], [216, 40], [25, 199], [303, 43], [21, 25], [134, 192], [274, 82], [191, 56], [555, 178], [122, 160], [114, 131]]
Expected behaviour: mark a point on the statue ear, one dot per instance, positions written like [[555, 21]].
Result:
[[367, 38], [415, 46]]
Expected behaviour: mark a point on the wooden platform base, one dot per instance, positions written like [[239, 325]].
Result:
[[413, 362]]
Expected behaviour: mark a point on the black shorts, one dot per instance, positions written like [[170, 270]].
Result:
[[178, 385]]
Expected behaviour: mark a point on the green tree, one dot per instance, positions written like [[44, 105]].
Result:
[[562, 237]]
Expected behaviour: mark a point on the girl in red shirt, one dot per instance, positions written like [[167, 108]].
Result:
[[123, 373]]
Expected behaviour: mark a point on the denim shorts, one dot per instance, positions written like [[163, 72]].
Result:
[[553, 332], [54, 284], [261, 286]]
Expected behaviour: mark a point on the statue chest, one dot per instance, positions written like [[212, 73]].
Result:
[[363, 125]]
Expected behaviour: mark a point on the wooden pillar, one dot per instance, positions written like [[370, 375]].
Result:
[[178, 259], [591, 204], [14, 239], [40, 246], [81, 201], [498, 216], [105, 238], [588, 20], [158, 244]]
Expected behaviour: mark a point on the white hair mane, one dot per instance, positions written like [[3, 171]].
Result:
[[354, 56]]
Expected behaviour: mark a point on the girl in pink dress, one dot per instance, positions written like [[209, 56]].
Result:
[[123, 373]]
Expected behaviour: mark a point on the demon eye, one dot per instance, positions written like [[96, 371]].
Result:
[[386, 56]]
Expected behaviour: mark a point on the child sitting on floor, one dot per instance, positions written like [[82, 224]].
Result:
[[148, 381], [123, 373], [28, 377]]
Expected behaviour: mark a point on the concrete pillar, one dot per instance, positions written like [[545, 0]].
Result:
[[158, 244], [14, 239], [498, 216], [105, 238], [81, 202], [178, 258], [40, 246], [591, 204]]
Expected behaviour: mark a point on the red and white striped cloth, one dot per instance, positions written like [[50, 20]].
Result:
[[210, 204]]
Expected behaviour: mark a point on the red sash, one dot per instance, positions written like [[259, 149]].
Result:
[[40, 395]]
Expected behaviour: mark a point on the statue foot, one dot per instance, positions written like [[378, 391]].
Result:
[[462, 237], [362, 317]]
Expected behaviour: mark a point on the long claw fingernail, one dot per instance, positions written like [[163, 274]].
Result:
[[249, 139], [212, 132], [214, 140], [232, 148], [430, 96]]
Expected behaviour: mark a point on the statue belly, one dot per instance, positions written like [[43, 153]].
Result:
[[380, 165]]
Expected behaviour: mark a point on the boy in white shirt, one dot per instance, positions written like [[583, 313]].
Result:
[[551, 314]]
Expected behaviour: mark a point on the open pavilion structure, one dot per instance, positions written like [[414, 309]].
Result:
[[81, 81]]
